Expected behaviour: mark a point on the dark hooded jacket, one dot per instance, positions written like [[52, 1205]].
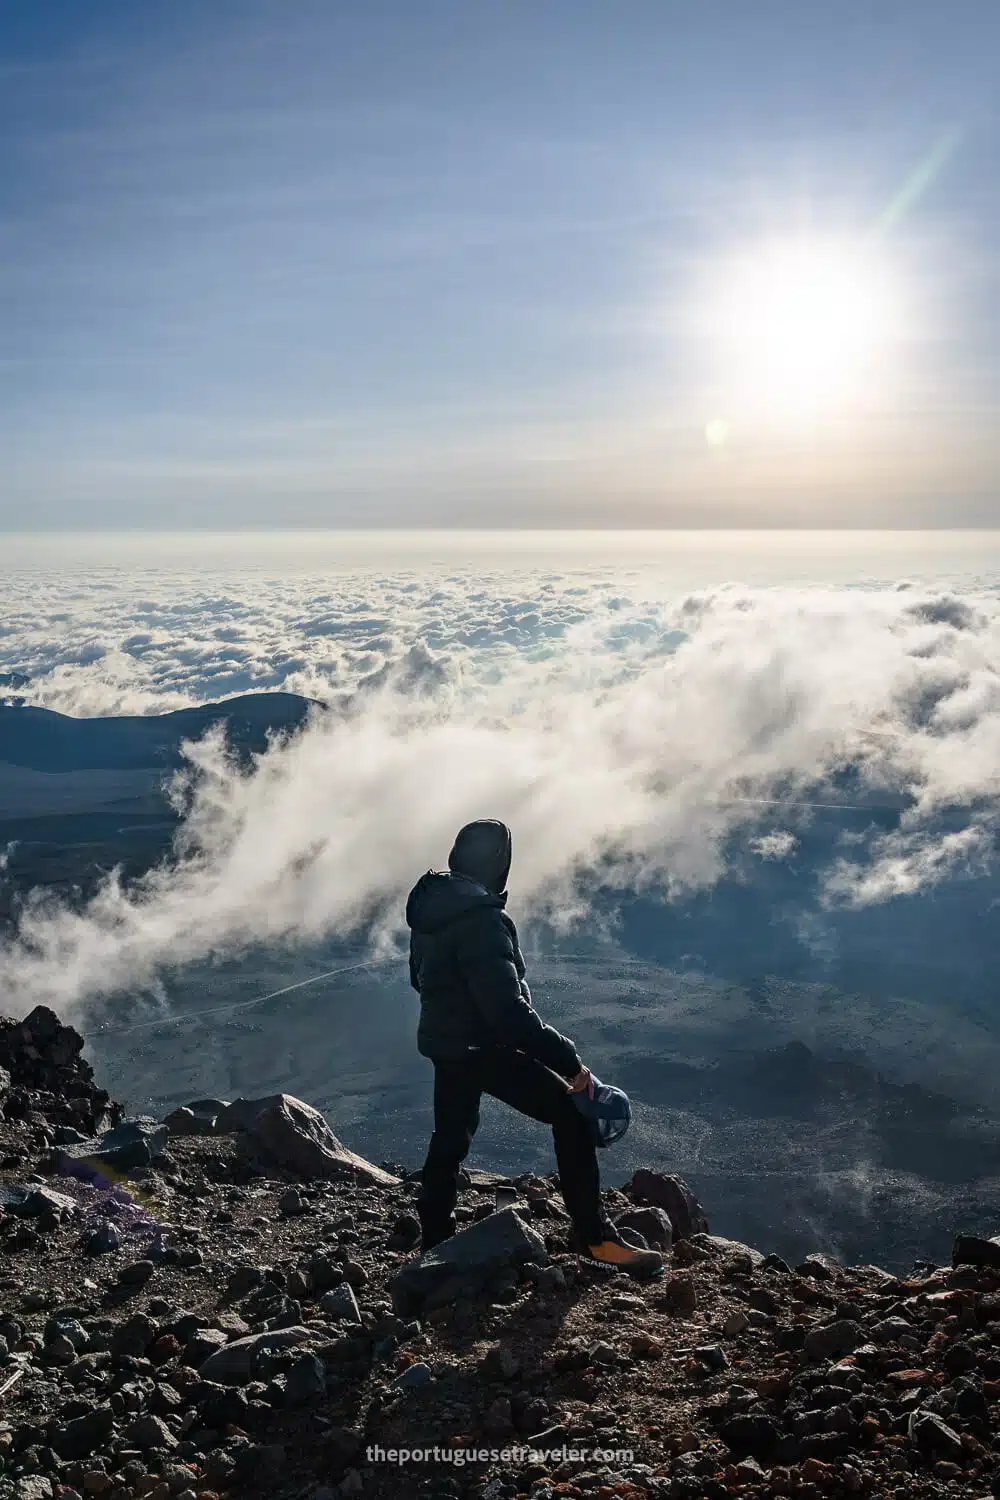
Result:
[[467, 967]]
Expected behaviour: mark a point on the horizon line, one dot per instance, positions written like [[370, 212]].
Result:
[[430, 530]]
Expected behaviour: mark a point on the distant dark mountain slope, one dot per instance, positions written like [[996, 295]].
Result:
[[41, 740], [78, 796]]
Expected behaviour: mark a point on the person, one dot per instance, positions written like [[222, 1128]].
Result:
[[479, 1028]]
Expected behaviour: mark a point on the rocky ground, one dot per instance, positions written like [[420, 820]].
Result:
[[230, 1305]]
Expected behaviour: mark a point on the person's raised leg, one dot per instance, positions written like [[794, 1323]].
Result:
[[534, 1090], [456, 1119]]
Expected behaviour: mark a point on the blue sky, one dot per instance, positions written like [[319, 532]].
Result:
[[316, 264]]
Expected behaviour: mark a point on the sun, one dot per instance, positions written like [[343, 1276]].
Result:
[[803, 327]]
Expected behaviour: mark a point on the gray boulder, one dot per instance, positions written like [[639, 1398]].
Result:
[[236, 1363], [104, 1240], [148, 1431], [182, 1122], [80, 1437], [207, 1109], [132, 1338], [137, 1273], [196, 1118], [134, 1143], [405, 1233], [820, 1267], [470, 1177], [341, 1303], [721, 1246], [890, 1330], [652, 1223], [926, 1430], [753, 1434], [306, 1381], [295, 1136], [29, 1201], [834, 1339], [463, 1264], [200, 1343], [34, 1487]]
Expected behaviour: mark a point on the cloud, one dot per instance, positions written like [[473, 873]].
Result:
[[626, 738], [137, 643], [901, 864], [777, 845]]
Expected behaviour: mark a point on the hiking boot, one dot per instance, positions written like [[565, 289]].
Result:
[[613, 1254], [433, 1234], [431, 1242]]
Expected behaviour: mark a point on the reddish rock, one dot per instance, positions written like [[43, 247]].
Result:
[[687, 1217], [906, 1378], [680, 1295]]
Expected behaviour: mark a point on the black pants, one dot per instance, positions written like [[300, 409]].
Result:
[[533, 1090]]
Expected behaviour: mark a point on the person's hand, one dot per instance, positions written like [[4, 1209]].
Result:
[[582, 1083]]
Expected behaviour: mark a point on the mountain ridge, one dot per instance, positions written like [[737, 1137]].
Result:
[[60, 820], [42, 739]]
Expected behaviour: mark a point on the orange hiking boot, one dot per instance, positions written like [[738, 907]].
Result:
[[613, 1254]]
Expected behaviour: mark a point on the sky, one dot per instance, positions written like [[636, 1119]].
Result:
[[554, 264]]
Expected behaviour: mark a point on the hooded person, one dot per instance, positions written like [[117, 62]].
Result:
[[479, 1028]]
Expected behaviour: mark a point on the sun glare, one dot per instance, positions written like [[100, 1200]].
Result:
[[805, 327]]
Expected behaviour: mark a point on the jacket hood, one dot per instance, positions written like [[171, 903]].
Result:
[[438, 899], [482, 851]]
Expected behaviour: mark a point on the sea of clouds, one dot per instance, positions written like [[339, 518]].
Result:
[[625, 727]]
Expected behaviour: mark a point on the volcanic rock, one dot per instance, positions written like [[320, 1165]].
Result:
[[41, 1055], [652, 1223], [970, 1250], [30, 1202], [81, 1436], [295, 1136], [672, 1194], [134, 1143], [236, 1363], [136, 1274], [34, 1487], [833, 1339], [340, 1302], [719, 1246], [462, 1265], [750, 1435], [306, 1381], [104, 1239], [231, 1380], [151, 1432], [196, 1118], [927, 1430]]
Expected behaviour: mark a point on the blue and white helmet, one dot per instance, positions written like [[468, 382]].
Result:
[[608, 1112]]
